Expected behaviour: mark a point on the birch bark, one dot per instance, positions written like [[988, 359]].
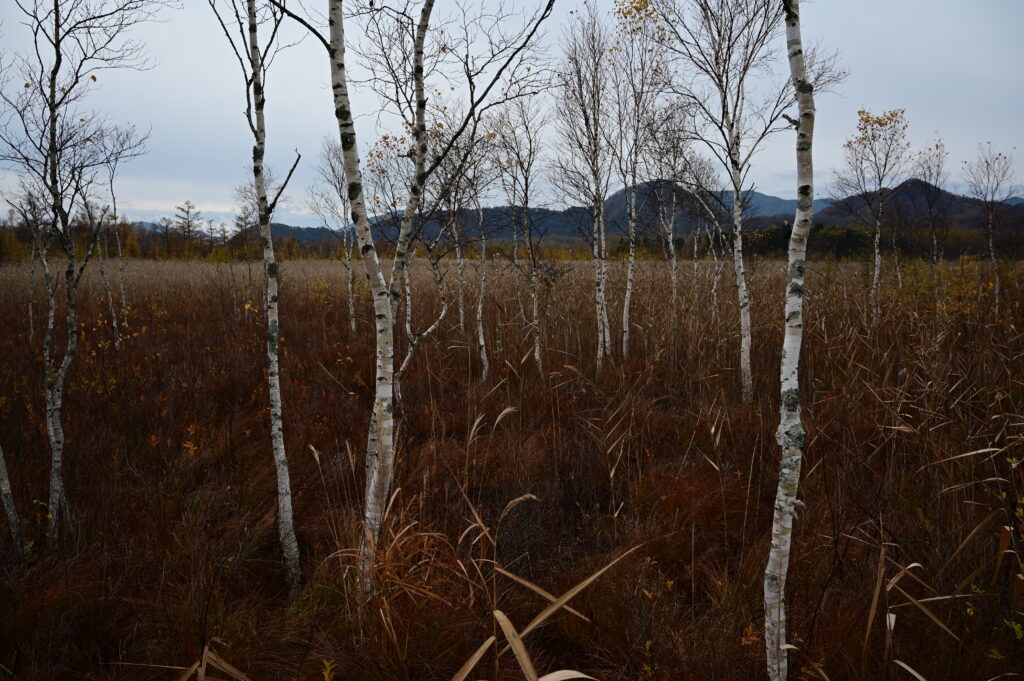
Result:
[[990, 182], [583, 171], [380, 443], [876, 273], [481, 340], [109, 295], [630, 265], [997, 284], [13, 519], [350, 276], [122, 274], [790, 435], [272, 282], [742, 295], [385, 294]]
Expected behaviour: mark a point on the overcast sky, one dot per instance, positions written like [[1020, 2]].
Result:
[[954, 66]]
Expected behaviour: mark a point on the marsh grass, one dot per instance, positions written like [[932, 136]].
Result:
[[907, 555]]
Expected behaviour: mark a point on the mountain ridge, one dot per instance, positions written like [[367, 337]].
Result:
[[760, 211]]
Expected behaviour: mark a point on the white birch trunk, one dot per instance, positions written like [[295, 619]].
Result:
[[122, 276], [997, 284], [876, 277], [417, 338], [517, 271], [32, 295], [790, 434], [696, 238], [628, 296], [380, 436], [535, 317], [743, 297], [460, 264], [668, 230], [601, 284], [58, 510], [716, 272], [598, 293], [896, 260], [13, 520], [350, 284], [481, 341], [109, 296], [272, 280]]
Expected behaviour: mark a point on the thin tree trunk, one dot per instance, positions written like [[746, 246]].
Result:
[[535, 316], [109, 295], [599, 291], [517, 271], [876, 279], [668, 230], [481, 341], [272, 282], [601, 286], [350, 283], [231, 273], [380, 440], [696, 238], [13, 520], [790, 435], [995, 262], [32, 295], [628, 296], [121, 277], [896, 259], [716, 273], [743, 297], [57, 504], [460, 264]]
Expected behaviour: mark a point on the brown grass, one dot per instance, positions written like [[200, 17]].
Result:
[[911, 483]]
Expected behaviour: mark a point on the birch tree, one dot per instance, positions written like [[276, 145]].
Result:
[[989, 180], [875, 160], [57, 148], [723, 45], [933, 200], [458, 186], [328, 198], [11, 510], [725, 51], [668, 157], [503, 63], [520, 139], [241, 26], [790, 434], [637, 80], [582, 168], [482, 277]]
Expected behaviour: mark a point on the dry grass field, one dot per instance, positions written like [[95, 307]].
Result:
[[908, 548]]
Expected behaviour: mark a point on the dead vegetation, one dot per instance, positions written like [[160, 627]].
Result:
[[907, 556]]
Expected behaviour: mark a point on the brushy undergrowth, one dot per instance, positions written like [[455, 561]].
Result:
[[907, 553]]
